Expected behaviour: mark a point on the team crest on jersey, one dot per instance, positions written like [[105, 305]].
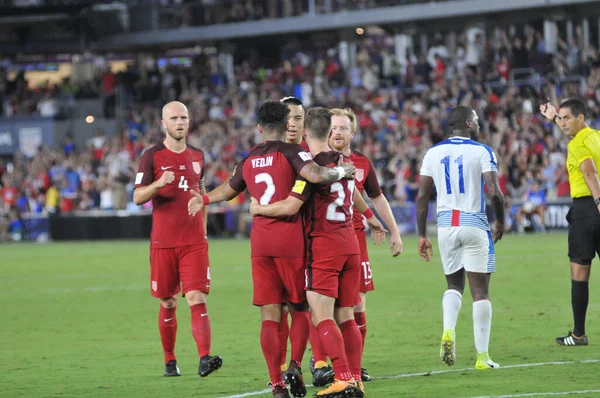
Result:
[[197, 168], [359, 175]]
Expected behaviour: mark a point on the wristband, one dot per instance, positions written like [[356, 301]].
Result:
[[368, 213], [597, 201], [341, 172], [554, 118], [205, 199]]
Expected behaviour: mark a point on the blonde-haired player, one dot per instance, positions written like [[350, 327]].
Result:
[[343, 127]]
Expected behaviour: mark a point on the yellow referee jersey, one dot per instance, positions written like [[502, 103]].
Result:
[[585, 145]]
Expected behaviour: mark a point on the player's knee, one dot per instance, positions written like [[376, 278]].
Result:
[[169, 303], [580, 271], [195, 297], [344, 314], [271, 312], [362, 306]]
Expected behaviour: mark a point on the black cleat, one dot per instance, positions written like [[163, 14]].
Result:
[[171, 369], [323, 376], [311, 365], [572, 340], [364, 375], [293, 377], [209, 364], [280, 392]]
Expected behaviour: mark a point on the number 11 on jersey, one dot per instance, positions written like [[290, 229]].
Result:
[[461, 177]]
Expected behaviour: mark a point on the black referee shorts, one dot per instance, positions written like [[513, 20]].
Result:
[[584, 231]]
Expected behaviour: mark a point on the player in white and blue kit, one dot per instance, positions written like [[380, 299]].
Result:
[[458, 167]]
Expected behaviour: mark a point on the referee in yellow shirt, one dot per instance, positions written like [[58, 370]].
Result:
[[583, 161]]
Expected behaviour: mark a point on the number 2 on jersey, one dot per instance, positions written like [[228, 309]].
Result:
[[461, 177], [332, 213], [270, 191]]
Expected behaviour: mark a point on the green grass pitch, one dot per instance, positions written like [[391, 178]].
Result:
[[78, 321]]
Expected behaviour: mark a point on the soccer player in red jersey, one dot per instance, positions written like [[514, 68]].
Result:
[[178, 244], [343, 127], [333, 270], [278, 261]]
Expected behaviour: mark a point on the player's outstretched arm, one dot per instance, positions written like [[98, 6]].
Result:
[[287, 207], [221, 193], [425, 189], [143, 194], [384, 210], [497, 198], [316, 174]]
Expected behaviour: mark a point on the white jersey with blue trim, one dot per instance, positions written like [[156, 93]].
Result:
[[457, 166]]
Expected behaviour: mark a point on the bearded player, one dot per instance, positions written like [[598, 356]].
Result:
[[178, 244], [343, 127]]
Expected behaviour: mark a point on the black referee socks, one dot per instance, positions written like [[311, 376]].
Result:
[[580, 295]]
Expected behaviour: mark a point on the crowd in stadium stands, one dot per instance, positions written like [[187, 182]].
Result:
[[401, 109]]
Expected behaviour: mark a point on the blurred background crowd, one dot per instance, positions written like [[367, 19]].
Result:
[[401, 104]]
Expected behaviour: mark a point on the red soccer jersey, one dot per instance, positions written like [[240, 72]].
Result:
[[269, 172], [171, 224], [328, 214], [365, 180], [304, 145]]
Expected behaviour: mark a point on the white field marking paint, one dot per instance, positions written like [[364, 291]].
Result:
[[541, 394], [437, 372]]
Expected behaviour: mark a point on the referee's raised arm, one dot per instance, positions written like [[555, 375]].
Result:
[[583, 162]]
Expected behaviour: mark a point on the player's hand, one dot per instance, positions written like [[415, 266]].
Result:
[[377, 230], [195, 204], [425, 248], [254, 207], [348, 167], [548, 110], [498, 231], [396, 245], [166, 178]]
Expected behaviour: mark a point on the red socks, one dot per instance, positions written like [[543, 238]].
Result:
[[167, 326], [353, 346], [201, 328], [361, 321], [317, 347], [334, 348], [271, 348], [284, 333], [299, 332]]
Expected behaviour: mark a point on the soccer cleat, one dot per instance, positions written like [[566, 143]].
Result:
[[311, 365], [281, 392], [171, 369], [361, 386], [572, 340], [323, 376], [209, 364], [341, 389], [448, 347], [484, 362], [364, 375], [293, 377]]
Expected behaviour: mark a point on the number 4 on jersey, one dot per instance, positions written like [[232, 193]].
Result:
[[461, 178], [183, 184]]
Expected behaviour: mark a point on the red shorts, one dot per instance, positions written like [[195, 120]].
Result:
[[336, 277], [187, 266], [366, 276], [278, 280]]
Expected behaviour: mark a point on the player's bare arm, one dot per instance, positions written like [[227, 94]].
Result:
[[382, 206], [377, 229], [287, 207], [316, 174], [143, 194], [497, 198], [202, 191], [221, 193], [588, 168], [425, 190]]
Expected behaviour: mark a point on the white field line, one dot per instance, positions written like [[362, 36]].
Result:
[[542, 394], [436, 372]]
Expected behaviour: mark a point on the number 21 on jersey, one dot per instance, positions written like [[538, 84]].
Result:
[[448, 172]]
